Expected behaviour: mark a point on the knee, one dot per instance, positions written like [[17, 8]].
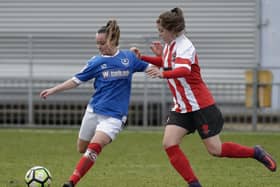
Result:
[[214, 150], [81, 149], [213, 145], [166, 144], [82, 146]]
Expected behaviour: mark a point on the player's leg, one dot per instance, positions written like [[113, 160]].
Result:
[[233, 150], [173, 135], [99, 141], [227, 149], [82, 145], [87, 131], [211, 125], [106, 131]]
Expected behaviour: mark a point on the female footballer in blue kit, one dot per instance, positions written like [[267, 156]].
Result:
[[107, 109]]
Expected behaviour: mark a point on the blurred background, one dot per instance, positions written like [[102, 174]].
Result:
[[43, 43]]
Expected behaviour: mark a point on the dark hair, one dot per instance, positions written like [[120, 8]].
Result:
[[172, 20], [112, 32]]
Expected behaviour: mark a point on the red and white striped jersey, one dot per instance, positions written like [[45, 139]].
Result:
[[190, 93]]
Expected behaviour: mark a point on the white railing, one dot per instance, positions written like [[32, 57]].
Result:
[[27, 66]]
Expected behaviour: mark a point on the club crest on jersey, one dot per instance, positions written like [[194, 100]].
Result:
[[125, 61]]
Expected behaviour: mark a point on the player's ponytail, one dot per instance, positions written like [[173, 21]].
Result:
[[113, 32], [177, 12]]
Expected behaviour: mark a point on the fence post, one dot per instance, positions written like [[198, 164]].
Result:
[[258, 48], [255, 99], [145, 105], [30, 81], [163, 103]]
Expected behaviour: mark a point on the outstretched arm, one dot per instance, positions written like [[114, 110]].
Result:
[[176, 73], [69, 84], [155, 60]]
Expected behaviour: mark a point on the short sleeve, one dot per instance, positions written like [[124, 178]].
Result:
[[138, 64], [88, 72], [185, 54]]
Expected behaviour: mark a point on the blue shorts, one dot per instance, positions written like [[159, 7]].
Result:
[[207, 121]]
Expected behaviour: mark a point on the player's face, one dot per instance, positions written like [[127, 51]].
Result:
[[104, 47], [166, 35]]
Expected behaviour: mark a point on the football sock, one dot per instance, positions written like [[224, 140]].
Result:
[[233, 150], [86, 162], [180, 162]]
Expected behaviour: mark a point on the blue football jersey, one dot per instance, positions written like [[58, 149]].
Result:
[[112, 82]]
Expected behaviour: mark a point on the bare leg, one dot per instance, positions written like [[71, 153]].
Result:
[[82, 145], [213, 145]]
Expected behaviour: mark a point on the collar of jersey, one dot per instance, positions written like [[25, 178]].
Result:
[[118, 51]]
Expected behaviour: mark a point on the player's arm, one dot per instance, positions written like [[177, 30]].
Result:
[[157, 49], [155, 60], [175, 73], [68, 84], [182, 68]]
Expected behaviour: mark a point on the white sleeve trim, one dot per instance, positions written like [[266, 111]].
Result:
[[183, 65], [76, 80], [149, 65]]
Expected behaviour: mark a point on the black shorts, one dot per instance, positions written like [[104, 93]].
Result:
[[207, 121]]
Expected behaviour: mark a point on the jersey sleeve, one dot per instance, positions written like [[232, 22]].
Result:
[[185, 55], [88, 72], [138, 64]]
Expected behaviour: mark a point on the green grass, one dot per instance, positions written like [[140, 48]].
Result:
[[134, 159]]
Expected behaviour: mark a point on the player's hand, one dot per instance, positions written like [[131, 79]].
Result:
[[154, 72], [156, 48], [136, 51], [45, 93]]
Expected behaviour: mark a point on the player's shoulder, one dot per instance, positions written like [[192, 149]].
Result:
[[183, 40], [95, 59], [184, 44]]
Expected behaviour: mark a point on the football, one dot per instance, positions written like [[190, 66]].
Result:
[[38, 176]]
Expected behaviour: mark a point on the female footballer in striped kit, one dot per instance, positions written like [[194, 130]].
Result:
[[194, 107]]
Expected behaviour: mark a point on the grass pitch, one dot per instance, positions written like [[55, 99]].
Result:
[[134, 159]]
